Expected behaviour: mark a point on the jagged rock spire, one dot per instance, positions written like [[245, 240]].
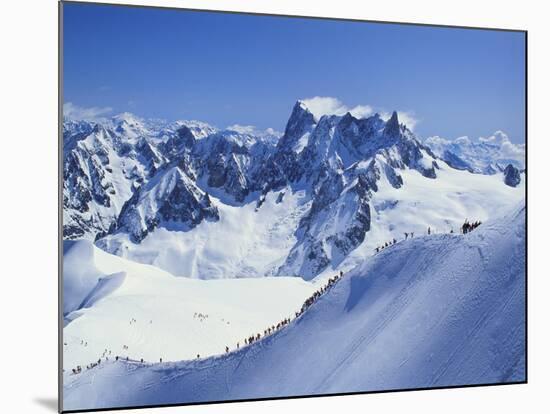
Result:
[[301, 121], [392, 126]]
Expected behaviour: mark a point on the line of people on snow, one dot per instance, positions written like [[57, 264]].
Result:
[[317, 294], [78, 368], [200, 316], [468, 227], [252, 338], [387, 244], [104, 355], [465, 228], [307, 303]]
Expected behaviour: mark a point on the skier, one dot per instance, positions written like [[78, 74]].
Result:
[[406, 236], [412, 234], [429, 231]]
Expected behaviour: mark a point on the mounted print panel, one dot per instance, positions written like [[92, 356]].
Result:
[[259, 206]]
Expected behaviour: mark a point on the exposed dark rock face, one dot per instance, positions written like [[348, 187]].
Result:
[[512, 176], [179, 143], [456, 162], [173, 201]]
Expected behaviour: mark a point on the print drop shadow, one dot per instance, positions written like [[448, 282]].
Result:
[[49, 403]]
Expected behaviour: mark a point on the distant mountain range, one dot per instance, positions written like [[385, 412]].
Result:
[[484, 155], [127, 177]]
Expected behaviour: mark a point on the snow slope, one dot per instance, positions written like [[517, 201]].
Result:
[[441, 204], [245, 242], [257, 241], [446, 309], [112, 302]]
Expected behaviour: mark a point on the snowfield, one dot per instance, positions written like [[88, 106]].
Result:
[[256, 241], [439, 310], [442, 204], [245, 242], [136, 310]]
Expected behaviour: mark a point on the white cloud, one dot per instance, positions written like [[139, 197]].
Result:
[[408, 119], [510, 150], [242, 129], [326, 105], [436, 140], [76, 112], [252, 130], [464, 140], [498, 137], [272, 131], [507, 148], [361, 111]]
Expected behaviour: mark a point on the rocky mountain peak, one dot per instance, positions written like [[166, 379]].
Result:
[[392, 126], [301, 121]]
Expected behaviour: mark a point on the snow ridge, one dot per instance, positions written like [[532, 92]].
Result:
[[455, 327]]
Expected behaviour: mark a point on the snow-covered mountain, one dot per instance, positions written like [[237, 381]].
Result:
[[171, 198], [415, 315], [105, 162], [151, 208], [485, 155], [100, 172], [300, 204], [341, 165]]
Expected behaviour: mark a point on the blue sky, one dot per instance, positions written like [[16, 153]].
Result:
[[227, 68]]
